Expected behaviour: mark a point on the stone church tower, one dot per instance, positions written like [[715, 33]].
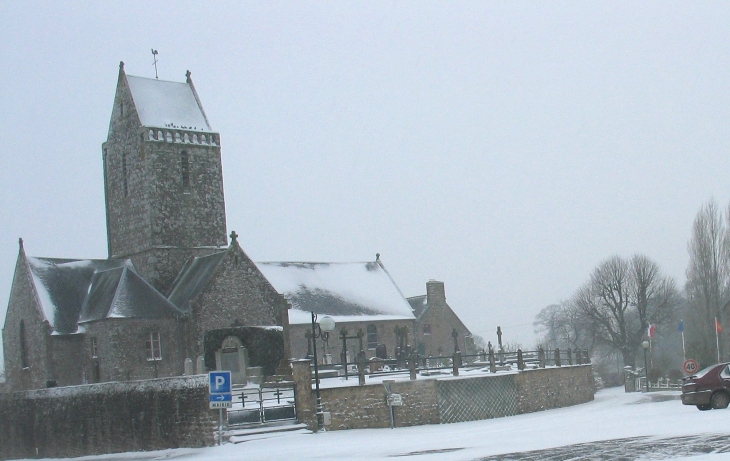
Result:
[[163, 178]]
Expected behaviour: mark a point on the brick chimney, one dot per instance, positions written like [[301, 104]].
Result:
[[435, 292]]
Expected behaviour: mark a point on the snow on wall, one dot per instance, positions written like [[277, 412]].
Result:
[[163, 104]]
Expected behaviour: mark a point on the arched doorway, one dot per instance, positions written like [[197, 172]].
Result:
[[232, 357]]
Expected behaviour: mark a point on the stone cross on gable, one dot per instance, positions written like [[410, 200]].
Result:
[[234, 237]]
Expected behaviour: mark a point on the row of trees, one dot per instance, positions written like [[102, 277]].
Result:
[[612, 311]]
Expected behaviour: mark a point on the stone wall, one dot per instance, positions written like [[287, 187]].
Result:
[[435, 326], [24, 307], [546, 388], [360, 407], [154, 199], [106, 418], [444, 400]]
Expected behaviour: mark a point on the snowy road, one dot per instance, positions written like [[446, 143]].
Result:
[[614, 427]]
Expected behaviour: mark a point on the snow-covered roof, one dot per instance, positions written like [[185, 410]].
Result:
[[75, 290], [193, 278], [165, 104], [344, 291], [419, 304]]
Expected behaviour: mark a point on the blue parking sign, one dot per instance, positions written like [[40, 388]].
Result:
[[219, 382]]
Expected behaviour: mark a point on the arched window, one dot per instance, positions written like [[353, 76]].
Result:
[[185, 170], [372, 336], [23, 346]]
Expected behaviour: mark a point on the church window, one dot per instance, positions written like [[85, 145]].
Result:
[[185, 169], [93, 347], [23, 346], [427, 329], [154, 352], [372, 336], [125, 185]]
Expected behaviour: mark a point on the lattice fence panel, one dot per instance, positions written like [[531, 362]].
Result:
[[475, 399]]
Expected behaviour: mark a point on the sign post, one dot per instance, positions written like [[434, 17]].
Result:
[[219, 387]]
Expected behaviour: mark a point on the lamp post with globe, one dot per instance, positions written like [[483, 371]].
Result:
[[320, 330]]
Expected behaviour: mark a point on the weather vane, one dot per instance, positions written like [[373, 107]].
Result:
[[154, 57]]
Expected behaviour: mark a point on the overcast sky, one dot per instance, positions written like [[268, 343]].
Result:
[[502, 148]]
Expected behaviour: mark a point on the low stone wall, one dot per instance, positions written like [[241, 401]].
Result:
[[546, 388], [444, 400], [359, 407], [107, 418]]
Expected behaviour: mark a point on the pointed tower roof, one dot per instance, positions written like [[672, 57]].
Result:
[[165, 104]]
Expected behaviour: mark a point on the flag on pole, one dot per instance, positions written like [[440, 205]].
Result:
[[680, 327], [651, 331], [718, 327]]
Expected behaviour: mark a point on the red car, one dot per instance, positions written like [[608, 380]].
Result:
[[708, 388]]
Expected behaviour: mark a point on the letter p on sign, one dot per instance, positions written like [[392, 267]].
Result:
[[219, 382]]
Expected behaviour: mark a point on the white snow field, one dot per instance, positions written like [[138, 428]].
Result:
[[664, 427]]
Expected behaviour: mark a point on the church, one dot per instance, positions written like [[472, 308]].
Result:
[[175, 296]]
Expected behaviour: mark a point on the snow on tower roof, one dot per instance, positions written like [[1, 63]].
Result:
[[344, 291], [165, 104]]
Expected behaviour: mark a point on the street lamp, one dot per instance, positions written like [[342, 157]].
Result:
[[645, 345], [320, 330]]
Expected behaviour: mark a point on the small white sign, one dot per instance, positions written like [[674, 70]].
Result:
[[395, 400], [217, 405]]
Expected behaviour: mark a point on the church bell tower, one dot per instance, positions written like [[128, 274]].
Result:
[[163, 178]]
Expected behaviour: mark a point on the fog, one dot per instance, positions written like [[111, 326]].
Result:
[[504, 148]]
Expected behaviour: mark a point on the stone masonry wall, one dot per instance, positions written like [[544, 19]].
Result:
[[23, 306], [361, 407], [106, 418], [237, 295], [546, 388], [148, 204]]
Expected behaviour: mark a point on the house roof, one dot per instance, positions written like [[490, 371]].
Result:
[[74, 290], [194, 278], [122, 293], [419, 304], [165, 104], [345, 291]]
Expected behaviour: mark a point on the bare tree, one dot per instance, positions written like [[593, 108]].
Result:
[[707, 280], [622, 298], [563, 326]]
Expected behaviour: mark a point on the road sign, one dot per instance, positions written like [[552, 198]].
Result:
[[220, 401], [395, 400], [219, 382], [690, 366]]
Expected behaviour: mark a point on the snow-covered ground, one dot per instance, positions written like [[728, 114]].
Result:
[[612, 415]]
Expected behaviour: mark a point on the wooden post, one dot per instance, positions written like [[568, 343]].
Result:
[[570, 357], [557, 357], [492, 363], [457, 363], [520, 361], [541, 357]]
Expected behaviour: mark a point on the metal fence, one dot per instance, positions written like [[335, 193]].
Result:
[[261, 405], [425, 365]]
